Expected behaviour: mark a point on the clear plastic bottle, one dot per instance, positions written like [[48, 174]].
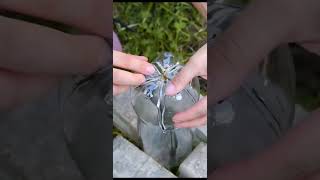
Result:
[[164, 143]]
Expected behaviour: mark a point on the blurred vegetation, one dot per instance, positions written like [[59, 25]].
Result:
[[151, 28]]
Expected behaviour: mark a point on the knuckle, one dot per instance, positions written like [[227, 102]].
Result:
[[203, 121], [126, 63], [135, 64], [141, 66], [199, 113]]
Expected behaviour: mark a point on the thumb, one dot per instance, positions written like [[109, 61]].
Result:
[[196, 64]]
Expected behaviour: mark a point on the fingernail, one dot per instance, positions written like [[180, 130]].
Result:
[[143, 79], [150, 69], [170, 89]]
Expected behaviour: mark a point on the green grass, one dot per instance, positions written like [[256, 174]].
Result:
[[116, 132], [151, 28]]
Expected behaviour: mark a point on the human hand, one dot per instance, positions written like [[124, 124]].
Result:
[[33, 57], [197, 114], [201, 7], [122, 78]]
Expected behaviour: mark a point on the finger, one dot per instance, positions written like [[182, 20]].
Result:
[[196, 111], [134, 63], [192, 123], [94, 16], [119, 89], [121, 77], [201, 7], [19, 88], [196, 63], [27, 47]]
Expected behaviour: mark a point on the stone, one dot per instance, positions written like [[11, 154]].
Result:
[[130, 161], [124, 117], [199, 134], [195, 165]]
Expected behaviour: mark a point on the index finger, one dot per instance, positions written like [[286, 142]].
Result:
[[134, 63], [196, 111]]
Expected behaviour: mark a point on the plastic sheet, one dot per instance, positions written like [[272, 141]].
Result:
[[166, 144]]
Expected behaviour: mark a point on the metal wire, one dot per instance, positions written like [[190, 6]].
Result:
[[165, 72]]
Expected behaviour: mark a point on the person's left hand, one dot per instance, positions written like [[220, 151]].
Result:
[[197, 114], [129, 70]]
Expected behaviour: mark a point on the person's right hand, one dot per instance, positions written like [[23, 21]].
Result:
[[197, 114], [131, 72]]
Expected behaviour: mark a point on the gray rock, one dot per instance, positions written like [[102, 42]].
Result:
[[199, 134], [124, 117], [126, 120], [129, 161], [202, 132], [195, 165]]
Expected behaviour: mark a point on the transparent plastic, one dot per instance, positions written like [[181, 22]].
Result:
[[166, 144]]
